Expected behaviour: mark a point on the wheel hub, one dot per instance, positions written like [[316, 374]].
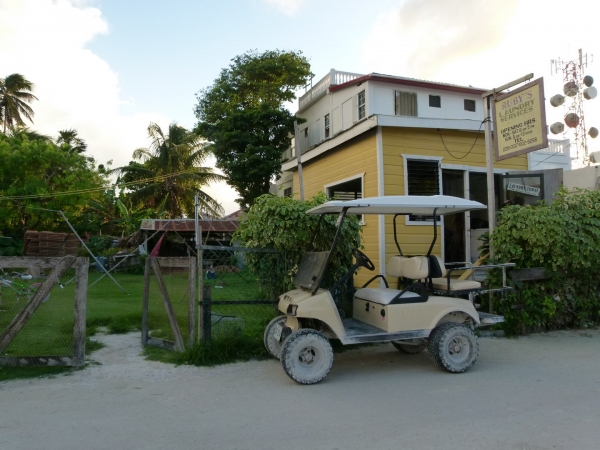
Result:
[[307, 356]]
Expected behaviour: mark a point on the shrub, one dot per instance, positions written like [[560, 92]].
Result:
[[281, 223], [564, 238]]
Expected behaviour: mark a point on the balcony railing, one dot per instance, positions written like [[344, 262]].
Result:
[[333, 78]]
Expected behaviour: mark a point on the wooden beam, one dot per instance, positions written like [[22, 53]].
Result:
[[182, 262], [81, 284], [168, 305], [145, 301], [32, 305], [23, 262], [192, 302]]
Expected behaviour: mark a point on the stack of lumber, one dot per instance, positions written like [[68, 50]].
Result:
[[46, 243]]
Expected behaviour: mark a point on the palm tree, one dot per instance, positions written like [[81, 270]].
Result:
[[170, 173], [15, 93], [70, 137]]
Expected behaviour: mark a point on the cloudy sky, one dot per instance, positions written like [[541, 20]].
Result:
[[110, 67]]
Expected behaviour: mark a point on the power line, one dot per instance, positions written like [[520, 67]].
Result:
[[472, 146], [96, 189]]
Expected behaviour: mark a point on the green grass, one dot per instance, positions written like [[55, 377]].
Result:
[[50, 330]]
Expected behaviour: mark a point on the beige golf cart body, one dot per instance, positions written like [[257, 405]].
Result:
[[379, 314]]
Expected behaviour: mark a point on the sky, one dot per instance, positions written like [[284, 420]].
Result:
[[110, 67]]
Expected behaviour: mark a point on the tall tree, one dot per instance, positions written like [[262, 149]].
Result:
[[244, 117], [72, 139], [173, 164], [15, 94], [37, 178]]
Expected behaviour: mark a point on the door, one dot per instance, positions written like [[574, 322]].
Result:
[[453, 183]]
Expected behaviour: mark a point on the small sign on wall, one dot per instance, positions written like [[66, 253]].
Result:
[[520, 121], [529, 190]]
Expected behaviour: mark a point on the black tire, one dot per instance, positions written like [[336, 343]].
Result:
[[273, 346], [307, 356], [453, 347], [411, 349]]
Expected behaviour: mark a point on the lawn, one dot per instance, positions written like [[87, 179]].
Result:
[[237, 329]]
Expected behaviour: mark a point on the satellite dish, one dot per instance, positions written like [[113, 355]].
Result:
[[590, 92], [570, 89], [557, 127], [557, 100], [593, 132], [588, 80], [572, 120]]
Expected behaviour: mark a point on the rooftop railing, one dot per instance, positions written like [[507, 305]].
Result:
[[334, 77]]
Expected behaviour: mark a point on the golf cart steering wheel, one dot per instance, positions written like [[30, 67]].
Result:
[[363, 260]]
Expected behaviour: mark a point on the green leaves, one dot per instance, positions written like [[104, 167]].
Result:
[[563, 237], [244, 117], [281, 223]]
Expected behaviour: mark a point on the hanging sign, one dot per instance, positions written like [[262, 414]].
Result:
[[520, 121], [529, 190]]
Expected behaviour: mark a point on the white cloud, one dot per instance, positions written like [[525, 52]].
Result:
[[484, 43], [45, 40], [289, 7]]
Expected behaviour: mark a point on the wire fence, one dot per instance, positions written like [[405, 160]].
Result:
[[238, 295]]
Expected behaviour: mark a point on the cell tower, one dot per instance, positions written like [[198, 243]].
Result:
[[577, 87]]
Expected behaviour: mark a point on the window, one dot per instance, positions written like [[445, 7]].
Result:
[[327, 127], [287, 192], [422, 178], [469, 105], [435, 101], [405, 103], [306, 133], [346, 189], [361, 105]]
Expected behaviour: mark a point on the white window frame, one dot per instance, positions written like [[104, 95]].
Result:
[[437, 159], [364, 104], [345, 180], [326, 126]]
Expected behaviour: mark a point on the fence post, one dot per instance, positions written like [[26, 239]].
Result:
[[193, 271], [206, 313], [81, 282], [147, 270]]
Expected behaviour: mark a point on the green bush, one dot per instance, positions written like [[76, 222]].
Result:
[[10, 246], [281, 223], [564, 238]]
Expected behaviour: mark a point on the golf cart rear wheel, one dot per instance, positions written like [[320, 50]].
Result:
[[307, 356], [417, 346], [453, 347], [272, 345]]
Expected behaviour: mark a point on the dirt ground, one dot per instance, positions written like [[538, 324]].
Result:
[[537, 392]]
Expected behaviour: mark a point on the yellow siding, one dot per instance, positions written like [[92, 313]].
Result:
[[355, 157], [416, 239]]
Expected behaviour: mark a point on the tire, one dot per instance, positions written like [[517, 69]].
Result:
[[273, 346], [453, 347], [307, 356], [411, 349]]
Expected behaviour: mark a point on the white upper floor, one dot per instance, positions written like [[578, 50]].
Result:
[[341, 100]]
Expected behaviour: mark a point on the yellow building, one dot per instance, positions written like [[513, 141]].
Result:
[[374, 135]]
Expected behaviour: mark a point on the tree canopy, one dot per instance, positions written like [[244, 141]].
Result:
[[15, 94], [170, 172], [243, 115], [35, 174]]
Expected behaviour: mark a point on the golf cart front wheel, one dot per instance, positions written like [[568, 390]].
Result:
[[415, 346], [272, 344], [453, 347], [307, 356]]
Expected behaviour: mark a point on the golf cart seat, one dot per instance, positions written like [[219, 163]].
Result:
[[452, 285], [414, 268]]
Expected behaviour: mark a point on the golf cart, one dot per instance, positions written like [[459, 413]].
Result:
[[414, 316]]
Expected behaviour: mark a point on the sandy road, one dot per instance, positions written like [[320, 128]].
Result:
[[538, 392]]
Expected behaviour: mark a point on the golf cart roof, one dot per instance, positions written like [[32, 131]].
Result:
[[400, 204]]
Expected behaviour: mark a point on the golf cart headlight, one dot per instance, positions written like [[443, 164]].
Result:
[[291, 310]]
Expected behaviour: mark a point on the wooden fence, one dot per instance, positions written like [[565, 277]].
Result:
[[58, 266]]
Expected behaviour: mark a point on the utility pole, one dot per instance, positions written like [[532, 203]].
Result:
[[489, 151]]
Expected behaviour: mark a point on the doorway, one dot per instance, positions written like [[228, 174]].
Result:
[[453, 183]]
